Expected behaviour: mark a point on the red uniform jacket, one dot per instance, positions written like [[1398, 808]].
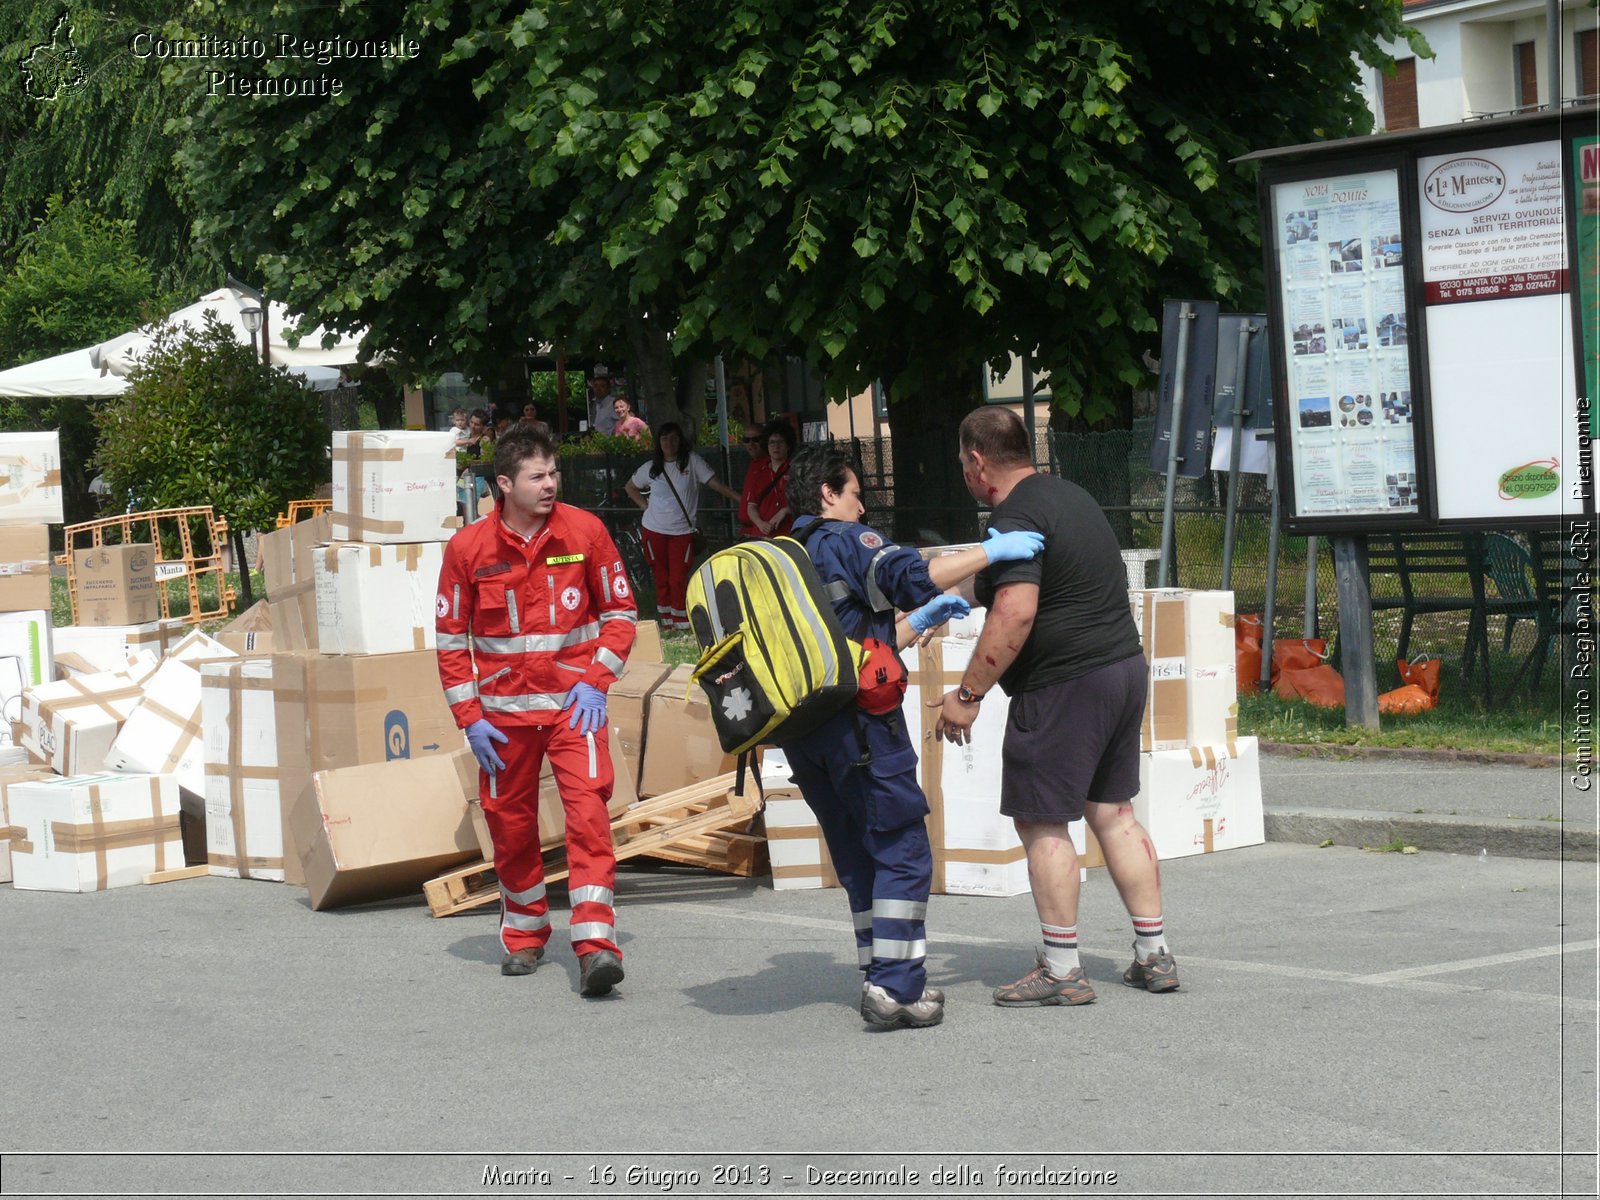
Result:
[[520, 624]]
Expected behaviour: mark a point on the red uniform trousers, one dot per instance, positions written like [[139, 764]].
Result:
[[670, 555], [582, 768]]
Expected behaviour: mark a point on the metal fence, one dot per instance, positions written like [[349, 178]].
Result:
[[1115, 469]]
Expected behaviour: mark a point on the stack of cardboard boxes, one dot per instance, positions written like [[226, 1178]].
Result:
[[1200, 783]]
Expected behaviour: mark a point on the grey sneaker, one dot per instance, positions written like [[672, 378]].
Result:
[[1158, 973], [883, 1010], [522, 962], [1038, 988]]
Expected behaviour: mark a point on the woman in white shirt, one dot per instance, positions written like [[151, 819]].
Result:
[[672, 480]]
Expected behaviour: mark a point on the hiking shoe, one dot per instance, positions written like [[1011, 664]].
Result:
[[522, 962], [1158, 973], [1038, 987], [599, 972], [928, 993], [883, 1010]]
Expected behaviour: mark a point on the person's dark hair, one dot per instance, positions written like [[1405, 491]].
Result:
[[684, 447], [784, 430], [998, 434], [481, 413], [517, 446], [813, 467]]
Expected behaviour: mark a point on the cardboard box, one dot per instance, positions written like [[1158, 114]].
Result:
[[92, 832], [24, 568], [116, 585], [394, 486], [250, 632], [26, 657], [285, 554], [681, 745], [243, 789], [628, 706], [197, 646], [382, 830], [1201, 798], [794, 841], [107, 647], [1188, 645], [9, 774], [162, 733], [72, 724], [30, 479], [293, 613], [646, 643], [376, 599]]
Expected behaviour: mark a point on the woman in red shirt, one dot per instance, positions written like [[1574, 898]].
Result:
[[765, 502]]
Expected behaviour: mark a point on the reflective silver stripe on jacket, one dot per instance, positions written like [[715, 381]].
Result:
[[893, 948], [455, 603], [901, 910], [511, 611], [591, 894], [461, 691], [875, 596], [605, 583], [619, 615], [836, 591], [530, 896], [609, 660], [527, 702], [594, 762], [526, 922], [539, 643], [451, 641], [593, 931]]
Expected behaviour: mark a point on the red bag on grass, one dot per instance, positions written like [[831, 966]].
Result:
[[1320, 685], [1247, 653], [1298, 655], [1419, 688]]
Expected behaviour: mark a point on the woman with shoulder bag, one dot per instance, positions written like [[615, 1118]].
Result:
[[672, 482], [764, 507]]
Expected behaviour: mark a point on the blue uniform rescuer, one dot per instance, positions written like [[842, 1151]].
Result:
[[858, 772]]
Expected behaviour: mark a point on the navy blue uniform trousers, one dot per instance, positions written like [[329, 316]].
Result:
[[873, 818]]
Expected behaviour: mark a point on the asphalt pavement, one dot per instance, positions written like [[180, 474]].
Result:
[[1349, 1022]]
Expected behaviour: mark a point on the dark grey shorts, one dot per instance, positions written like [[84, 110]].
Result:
[[1073, 743]]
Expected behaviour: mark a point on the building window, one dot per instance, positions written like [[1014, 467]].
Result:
[[1525, 70], [1400, 96], [1589, 63]]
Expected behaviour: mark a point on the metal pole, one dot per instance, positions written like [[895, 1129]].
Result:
[[1312, 624], [1240, 374], [1552, 24], [1027, 408], [722, 400], [1164, 571], [1270, 613]]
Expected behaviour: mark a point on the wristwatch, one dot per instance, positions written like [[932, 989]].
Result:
[[967, 696]]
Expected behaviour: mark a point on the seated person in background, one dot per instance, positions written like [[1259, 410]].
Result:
[[458, 423]]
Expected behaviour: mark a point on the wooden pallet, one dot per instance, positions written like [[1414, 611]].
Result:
[[649, 827], [723, 850]]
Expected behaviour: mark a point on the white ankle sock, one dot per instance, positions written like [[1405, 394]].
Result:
[[1148, 936], [1060, 948]]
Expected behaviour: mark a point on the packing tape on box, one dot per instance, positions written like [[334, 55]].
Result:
[[355, 457], [1206, 756], [106, 835], [188, 732], [243, 865], [25, 566], [235, 778]]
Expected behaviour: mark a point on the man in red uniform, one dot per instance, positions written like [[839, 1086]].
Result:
[[535, 620]]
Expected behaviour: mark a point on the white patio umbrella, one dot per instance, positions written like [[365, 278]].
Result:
[[120, 353], [70, 374]]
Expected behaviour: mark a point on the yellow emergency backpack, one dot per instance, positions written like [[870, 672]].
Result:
[[775, 663]]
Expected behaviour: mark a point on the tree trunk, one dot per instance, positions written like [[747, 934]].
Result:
[[654, 388], [929, 501], [246, 593]]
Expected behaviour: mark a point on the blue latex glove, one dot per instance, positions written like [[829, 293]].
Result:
[[482, 736], [1018, 545], [937, 611], [588, 704]]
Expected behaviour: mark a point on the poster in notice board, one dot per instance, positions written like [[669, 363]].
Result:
[[1503, 402], [1340, 250]]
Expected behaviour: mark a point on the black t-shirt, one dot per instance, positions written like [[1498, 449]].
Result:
[[1083, 622]]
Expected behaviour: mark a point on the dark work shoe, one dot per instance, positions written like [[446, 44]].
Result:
[[1158, 973], [1038, 987], [522, 962], [599, 972], [883, 1010]]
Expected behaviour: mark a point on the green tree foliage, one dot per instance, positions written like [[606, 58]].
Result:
[[204, 422], [896, 188], [86, 116], [78, 281]]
